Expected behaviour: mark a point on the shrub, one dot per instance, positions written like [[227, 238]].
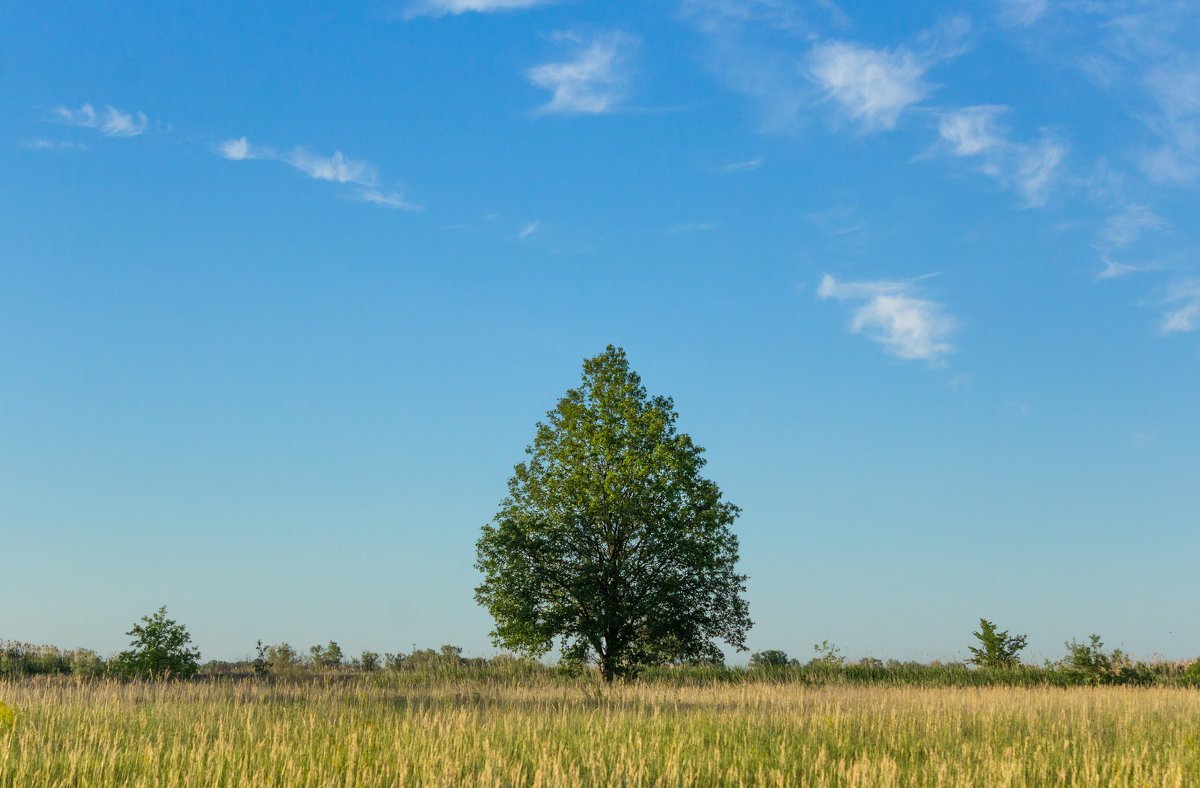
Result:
[[85, 663], [828, 656], [1089, 663]]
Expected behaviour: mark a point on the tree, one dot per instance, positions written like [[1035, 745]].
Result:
[[369, 661], [770, 659], [329, 656], [996, 649], [610, 541], [281, 658], [160, 649]]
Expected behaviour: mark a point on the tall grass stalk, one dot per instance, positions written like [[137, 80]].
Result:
[[392, 730]]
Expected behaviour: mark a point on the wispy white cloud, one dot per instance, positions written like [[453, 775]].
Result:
[[1145, 55], [875, 86], [838, 219], [1114, 269], [948, 38], [1020, 13], [109, 121], [1123, 229], [872, 86], [595, 81], [1039, 166], [973, 130], [1175, 87], [755, 49], [41, 143], [776, 53], [455, 7], [743, 166], [1183, 308], [892, 314], [1131, 223], [1033, 169], [336, 169], [528, 230], [391, 199], [240, 149], [692, 227], [715, 15]]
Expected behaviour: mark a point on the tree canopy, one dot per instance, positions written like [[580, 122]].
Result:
[[610, 541], [160, 648], [996, 649]]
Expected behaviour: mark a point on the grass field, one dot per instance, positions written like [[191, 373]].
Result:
[[453, 730]]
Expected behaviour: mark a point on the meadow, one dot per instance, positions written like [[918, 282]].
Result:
[[447, 728]]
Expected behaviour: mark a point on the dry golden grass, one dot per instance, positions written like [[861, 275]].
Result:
[[541, 732]]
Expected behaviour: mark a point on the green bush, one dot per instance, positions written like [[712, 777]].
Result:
[[1088, 663], [85, 663], [829, 656]]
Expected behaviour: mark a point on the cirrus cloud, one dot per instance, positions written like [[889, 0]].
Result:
[[437, 8], [336, 169], [595, 81], [109, 121], [1032, 168], [892, 314], [873, 86]]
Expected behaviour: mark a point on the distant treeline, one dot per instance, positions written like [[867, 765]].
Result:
[[1084, 664]]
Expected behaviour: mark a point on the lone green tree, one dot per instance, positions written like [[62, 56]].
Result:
[[160, 649], [610, 542], [996, 649]]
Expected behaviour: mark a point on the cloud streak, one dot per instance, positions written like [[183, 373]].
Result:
[[1183, 308], [593, 82], [1020, 13], [770, 51], [893, 315], [1175, 87], [1129, 225], [872, 86], [692, 227], [109, 121], [743, 166], [41, 143], [436, 8], [361, 175], [1033, 168]]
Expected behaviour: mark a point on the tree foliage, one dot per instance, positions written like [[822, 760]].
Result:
[[996, 649], [610, 541], [1089, 663], [160, 649], [771, 658]]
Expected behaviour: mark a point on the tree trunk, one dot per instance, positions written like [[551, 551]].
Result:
[[606, 669]]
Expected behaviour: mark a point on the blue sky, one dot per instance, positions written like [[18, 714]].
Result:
[[284, 290]]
